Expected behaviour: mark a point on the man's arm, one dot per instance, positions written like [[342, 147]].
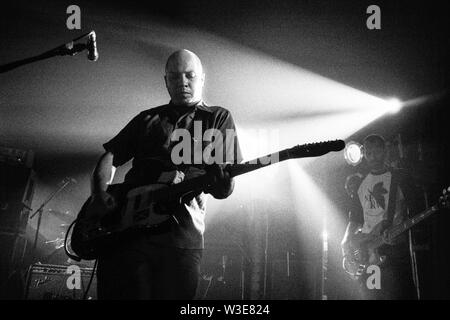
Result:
[[222, 184], [351, 229], [355, 220], [102, 177]]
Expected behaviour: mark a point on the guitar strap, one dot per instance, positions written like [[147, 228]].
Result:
[[392, 199]]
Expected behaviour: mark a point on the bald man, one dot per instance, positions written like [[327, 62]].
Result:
[[184, 78], [166, 264]]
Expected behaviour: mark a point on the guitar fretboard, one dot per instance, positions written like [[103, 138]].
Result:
[[258, 163], [396, 230], [409, 223], [199, 184]]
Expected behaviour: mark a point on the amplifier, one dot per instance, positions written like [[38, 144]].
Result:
[[59, 282]]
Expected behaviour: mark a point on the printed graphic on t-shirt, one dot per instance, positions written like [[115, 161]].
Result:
[[374, 193], [376, 196]]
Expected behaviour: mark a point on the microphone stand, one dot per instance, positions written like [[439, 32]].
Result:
[[66, 49], [40, 210], [411, 239]]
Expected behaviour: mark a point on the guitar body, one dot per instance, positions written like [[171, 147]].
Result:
[[98, 228], [364, 252]]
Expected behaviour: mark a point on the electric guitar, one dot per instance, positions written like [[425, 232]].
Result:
[[144, 207], [364, 246]]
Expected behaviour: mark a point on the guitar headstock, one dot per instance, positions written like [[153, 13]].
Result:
[[444, 200], [316, 149]]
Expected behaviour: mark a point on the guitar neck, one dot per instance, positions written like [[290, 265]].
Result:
[[199, 183], [395, 231], [258, 163]]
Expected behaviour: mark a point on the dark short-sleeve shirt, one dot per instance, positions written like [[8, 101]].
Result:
[[186, 139]]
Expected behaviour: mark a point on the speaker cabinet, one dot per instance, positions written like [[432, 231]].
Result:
[[57, 282]]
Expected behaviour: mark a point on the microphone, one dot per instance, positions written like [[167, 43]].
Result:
[[92, 47]]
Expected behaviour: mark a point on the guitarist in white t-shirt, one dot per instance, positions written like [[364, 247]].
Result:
[[380, 200]]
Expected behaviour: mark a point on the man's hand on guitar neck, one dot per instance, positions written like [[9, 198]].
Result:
[[220, 184]]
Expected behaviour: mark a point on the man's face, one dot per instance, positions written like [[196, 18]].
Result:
[[374, 153], [184, 79]]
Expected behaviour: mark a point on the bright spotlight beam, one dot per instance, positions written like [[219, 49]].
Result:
[[393, 105]]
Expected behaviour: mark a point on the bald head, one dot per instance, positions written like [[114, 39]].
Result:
[[184, 78], [181, 57]]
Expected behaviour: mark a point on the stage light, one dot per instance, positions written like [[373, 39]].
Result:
[[393, 105], [325, 235], [353, 153]]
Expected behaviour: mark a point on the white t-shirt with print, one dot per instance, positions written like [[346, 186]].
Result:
[[373, 194]]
